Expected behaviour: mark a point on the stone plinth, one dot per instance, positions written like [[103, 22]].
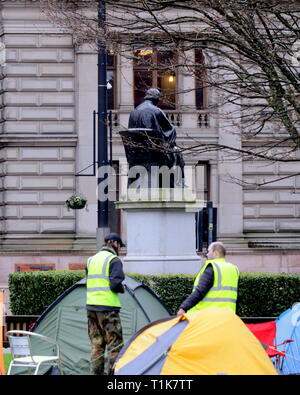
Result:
[[161, 233]]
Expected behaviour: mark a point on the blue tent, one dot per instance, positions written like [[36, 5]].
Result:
[[288, 327]]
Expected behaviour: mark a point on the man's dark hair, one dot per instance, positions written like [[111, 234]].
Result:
[[218, 246]]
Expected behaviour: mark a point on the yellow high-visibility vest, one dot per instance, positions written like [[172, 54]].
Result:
[[97, 284], [224, 290]]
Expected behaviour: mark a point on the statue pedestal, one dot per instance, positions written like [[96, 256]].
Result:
[[161, 232]]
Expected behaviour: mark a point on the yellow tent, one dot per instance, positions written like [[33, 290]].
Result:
[[207, 342]]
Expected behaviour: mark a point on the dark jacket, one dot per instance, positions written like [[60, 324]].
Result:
[[206, 281], [116, 277]]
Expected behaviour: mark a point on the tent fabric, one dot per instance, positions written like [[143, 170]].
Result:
[[153, 358], [288, 327], [212, 341], [66, 321], [265, 332]]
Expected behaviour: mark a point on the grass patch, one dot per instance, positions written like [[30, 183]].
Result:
[[7, 360]]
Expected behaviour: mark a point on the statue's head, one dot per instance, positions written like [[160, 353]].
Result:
[[153, 94]]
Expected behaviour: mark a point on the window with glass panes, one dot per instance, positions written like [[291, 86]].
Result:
[[155, 68]]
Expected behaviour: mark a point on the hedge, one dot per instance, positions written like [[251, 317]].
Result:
[[32, 292], [260, 294]]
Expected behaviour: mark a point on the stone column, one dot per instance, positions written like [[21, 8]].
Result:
[[125, 86], [161, 235], [186, 88], [230, 207], [86, 98]]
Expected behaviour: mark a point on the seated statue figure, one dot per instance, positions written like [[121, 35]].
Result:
[[150, 141]]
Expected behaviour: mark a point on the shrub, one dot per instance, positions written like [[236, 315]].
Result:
[[171, 289], [267, 295], [32, 292], [260, 294]]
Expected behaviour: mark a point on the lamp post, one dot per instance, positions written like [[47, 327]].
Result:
[[102, 213]]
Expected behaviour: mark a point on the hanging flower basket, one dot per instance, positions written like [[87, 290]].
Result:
[[76, 202]]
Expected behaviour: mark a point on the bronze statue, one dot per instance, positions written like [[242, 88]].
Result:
[[150, 140]]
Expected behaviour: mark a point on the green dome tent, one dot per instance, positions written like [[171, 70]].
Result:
[[65, 320]]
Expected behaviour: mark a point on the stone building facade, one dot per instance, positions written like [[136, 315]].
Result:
[[48, 94]]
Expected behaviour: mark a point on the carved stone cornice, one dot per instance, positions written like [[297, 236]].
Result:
[[29, 27], [38, 140]]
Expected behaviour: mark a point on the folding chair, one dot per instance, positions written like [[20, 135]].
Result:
[[143, 146], [279, 355], [21, 350], [266, 333]]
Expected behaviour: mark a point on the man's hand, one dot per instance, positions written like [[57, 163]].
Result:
[[180, 312]]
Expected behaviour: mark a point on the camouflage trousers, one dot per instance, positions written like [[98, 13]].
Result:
[[105, 332]]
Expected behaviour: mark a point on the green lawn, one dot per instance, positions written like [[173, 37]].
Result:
[[7, 359]]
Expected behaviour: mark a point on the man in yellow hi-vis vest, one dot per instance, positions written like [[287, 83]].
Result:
[[104, 283], [216, 284]]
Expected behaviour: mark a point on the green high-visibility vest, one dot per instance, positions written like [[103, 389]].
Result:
[[97, 283], [224, 290]]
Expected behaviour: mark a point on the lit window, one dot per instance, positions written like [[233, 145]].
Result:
[[154, 68]]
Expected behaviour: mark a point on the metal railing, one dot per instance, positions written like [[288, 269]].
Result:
[[174, 116]]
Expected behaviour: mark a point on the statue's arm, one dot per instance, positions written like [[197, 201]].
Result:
[[168, 130]]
